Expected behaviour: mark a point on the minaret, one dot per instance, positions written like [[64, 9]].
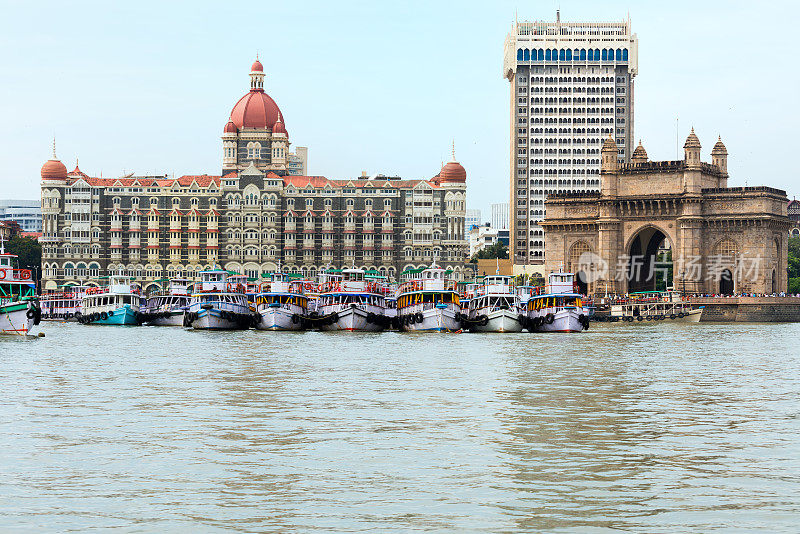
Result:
[[719, 155], [692, 176], [608, 168], [691, 149]]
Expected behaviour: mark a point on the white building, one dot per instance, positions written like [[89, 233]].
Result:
[[481, 237], [500, 216], [571, 86], [26, 213], [472, 218]]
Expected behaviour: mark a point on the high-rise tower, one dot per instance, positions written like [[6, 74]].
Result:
[[571, 87]]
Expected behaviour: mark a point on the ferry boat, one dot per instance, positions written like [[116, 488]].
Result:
[[348, 301], [219, 303], [64, 305], [116, 304], [281, 303], [558, 307], [428, 301], [167, 307], [655, 306], [19, 307], [495, 307]]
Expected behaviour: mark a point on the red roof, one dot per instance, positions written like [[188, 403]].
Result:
[[453, 172], [256, 109], [257, 66], [53, 169]]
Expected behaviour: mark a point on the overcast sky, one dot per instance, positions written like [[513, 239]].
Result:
[[374, 86]]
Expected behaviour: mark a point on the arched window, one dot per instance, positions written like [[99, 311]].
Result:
[[583, 54], [526, 55], [562, 55], [519, 54], [547, 55], [540, 55], [624, 54], [604, 54], [618, 55], [569, 55]]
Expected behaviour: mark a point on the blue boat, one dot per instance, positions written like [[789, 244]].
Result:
[[116, 304]]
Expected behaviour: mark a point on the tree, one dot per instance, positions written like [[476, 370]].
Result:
[[29, 252], [794, 265], [497, 250]]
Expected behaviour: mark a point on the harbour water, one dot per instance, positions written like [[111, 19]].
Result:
[[643, 428]]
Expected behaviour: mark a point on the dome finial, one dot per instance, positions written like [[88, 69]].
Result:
[[54, 147], [453, 153]]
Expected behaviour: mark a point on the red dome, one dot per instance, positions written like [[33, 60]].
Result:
[[257, 67], [53, 169], [255, 110], [453, 172], [230, 127], [278, 127]]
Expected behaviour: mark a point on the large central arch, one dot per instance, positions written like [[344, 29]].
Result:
[[648, 269]]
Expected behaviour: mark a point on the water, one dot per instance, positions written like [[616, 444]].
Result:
[[642, 428]]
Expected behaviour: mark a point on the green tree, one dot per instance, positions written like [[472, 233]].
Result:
[[497, 250], [794, 257], [29, 252]]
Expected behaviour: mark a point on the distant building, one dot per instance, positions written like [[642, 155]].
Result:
[[794, 216], [500, 216], [481, 237], [26, 213], [5, 231], [297, 162], [472, 218]]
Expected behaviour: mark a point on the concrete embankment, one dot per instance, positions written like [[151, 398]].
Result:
[[749, 309]]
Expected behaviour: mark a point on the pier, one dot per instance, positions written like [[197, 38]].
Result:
[[748, 309]]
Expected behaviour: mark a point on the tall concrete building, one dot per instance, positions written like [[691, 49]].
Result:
[[500, 216], [571, 86], [26, 213], [472, 218]]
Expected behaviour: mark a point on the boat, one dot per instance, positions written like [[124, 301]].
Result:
[[557, 307], [19, 306], [64, 305], [219, 303], [167, 307], [350, 302], [495, 307], [281, 304], [427, 301], [118, 303], [654, 306]]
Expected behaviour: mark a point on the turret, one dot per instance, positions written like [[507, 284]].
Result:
[[608, 168], [719, 156], [691, 149], [640, 154]]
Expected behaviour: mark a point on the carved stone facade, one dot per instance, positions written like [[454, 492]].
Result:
[[722, 240]]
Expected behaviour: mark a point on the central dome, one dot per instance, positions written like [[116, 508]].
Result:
[[256, 109]]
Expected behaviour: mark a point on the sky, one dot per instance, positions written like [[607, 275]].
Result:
[[380, 87]]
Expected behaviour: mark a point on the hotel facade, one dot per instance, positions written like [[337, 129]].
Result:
[[571, 87], [258, 215]]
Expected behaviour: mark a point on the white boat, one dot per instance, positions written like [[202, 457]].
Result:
[[495, 307], [428, 302], [655, 306], [19, 307], [219, 303], [167, 307], [281, 303], [64, 305], [558, 307], [118, 303], [348, 301]]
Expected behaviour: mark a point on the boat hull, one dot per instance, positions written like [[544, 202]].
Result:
[[211, 319], [500, 321], [122, 316], [351, 320], [567, 320], [433, 320], [279, 319], [175, 318], [14, 320]]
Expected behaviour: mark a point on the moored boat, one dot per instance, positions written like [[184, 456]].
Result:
[[557, 307], [495, 307], [167, 306], [19, 306], [281, 303], [118, 303], [655, 306], [219, 303], [63, 305], [428, 302], [350, 302]]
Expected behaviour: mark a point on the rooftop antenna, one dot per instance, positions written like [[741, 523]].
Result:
[[558, 15], [677, 142]]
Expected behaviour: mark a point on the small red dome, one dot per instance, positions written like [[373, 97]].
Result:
[[453, 172], [256, 109], [257, 67], [278, 127], [53, 169], [230, 127]]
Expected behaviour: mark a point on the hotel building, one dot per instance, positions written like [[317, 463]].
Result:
[[257, 216], [571, 86]]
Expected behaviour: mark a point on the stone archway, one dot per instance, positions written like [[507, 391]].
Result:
[[647, 267], [726, 282]]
